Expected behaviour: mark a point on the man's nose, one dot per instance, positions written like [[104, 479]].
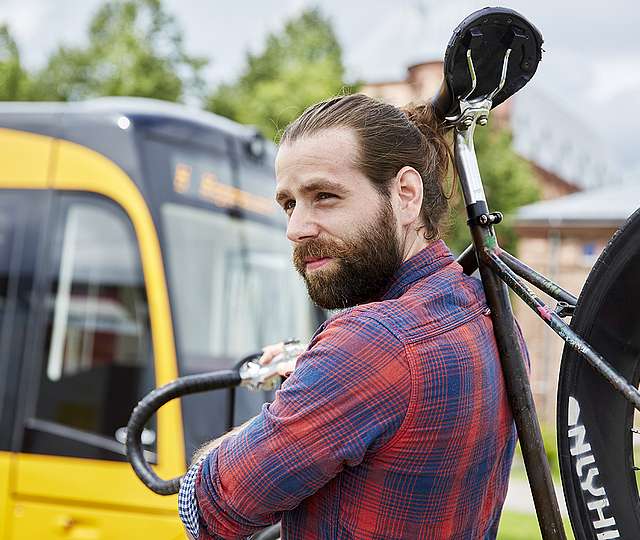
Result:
[[301, 226]]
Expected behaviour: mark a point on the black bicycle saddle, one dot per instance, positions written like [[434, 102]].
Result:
[[488, 33]]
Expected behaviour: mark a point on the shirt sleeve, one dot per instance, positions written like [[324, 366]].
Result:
[[347, 396]]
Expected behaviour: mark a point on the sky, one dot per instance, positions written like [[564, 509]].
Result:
[[590, 68]]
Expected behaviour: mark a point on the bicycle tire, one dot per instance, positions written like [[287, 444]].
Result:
[[594, 421]]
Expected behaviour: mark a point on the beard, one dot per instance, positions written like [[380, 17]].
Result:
[[362, 265]]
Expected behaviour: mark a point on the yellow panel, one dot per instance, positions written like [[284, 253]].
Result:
[[5, 462], [78, 168], [87, 481], [24, 159], [33, 519]]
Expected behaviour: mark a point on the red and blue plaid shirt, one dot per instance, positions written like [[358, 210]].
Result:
[[394, 425]]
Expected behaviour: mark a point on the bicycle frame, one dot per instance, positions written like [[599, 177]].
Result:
[[498, 269]]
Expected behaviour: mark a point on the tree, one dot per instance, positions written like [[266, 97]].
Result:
[[508, 182], [298, 67], [135, 49], [13, 78]]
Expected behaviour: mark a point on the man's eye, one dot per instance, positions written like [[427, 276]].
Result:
[[325, 195], [289, 205]]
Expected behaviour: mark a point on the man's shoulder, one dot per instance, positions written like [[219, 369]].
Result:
[[428, 306], [365, 331], [353, 342], [375, 318]]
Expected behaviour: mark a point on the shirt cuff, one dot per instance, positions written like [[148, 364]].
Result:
[[187, 502]]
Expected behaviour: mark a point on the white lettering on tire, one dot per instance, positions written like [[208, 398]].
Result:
[[587, 473]]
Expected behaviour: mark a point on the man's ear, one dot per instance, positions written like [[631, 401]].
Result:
[[408, 191]]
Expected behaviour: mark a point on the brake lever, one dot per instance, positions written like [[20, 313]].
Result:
[[255, 376]]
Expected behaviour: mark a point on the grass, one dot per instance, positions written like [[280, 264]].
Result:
[[518, 526]]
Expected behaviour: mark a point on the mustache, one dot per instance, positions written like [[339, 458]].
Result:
[[318, 249]]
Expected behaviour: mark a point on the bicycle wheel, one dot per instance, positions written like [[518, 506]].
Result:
[[594, 422]]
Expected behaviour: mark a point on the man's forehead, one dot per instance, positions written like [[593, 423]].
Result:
[[329, 154]]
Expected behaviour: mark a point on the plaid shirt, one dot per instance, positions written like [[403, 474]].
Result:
[[394, 425]]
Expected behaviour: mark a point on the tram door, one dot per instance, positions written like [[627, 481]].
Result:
[[18, 240], [92, 349]]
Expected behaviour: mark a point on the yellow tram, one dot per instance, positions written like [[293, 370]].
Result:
[[139, 241]]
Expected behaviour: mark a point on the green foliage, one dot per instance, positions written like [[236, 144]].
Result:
[[551, 450], [298, 67], [135, 49], [13, 79], [508, 182]]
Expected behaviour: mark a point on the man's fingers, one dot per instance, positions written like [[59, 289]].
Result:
[[286, 368], [270, 352]]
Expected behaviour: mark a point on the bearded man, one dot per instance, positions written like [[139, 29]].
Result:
[[395, 422]]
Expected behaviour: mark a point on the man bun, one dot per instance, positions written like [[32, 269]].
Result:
[[438, 145], [424, 117]]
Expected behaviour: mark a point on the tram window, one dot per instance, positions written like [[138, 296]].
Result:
[[9, 256], [5, 257], [239, 291], [97, 360]]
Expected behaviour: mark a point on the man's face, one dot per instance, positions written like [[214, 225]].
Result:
[[344, 232]]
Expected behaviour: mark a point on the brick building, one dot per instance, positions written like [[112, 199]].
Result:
[[562, 239]]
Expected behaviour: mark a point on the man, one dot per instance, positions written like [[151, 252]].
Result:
[[394, 423]]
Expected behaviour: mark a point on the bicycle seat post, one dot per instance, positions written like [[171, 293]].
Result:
[[474, 112]]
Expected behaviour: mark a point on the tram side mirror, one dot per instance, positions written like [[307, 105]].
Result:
[[492, 54]]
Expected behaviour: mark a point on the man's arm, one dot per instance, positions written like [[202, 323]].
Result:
[[206, 448], [187, 507], [348, 394], [187, 504]]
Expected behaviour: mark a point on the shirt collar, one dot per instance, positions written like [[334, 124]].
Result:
[[424, 263]]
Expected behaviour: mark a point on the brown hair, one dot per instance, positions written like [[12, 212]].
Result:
[[390, 138]]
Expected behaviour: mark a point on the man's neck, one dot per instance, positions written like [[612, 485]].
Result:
[[414, 244]]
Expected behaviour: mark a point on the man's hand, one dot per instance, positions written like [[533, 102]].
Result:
[[270, 352]]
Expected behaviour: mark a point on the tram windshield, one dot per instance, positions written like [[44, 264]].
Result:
[[234, 287]]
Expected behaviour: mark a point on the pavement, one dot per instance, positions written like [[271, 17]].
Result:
[[519, 497]]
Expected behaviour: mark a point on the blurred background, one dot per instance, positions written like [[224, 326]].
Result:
[[559, 159]]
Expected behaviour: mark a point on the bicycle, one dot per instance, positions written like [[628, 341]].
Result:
[[594, 436]]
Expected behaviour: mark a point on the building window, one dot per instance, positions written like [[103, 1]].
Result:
[[590, 253]]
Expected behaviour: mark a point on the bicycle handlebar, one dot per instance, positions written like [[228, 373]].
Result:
[[190, 384], [248, 372]]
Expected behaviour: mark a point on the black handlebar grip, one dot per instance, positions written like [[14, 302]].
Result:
[[191, 384]]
